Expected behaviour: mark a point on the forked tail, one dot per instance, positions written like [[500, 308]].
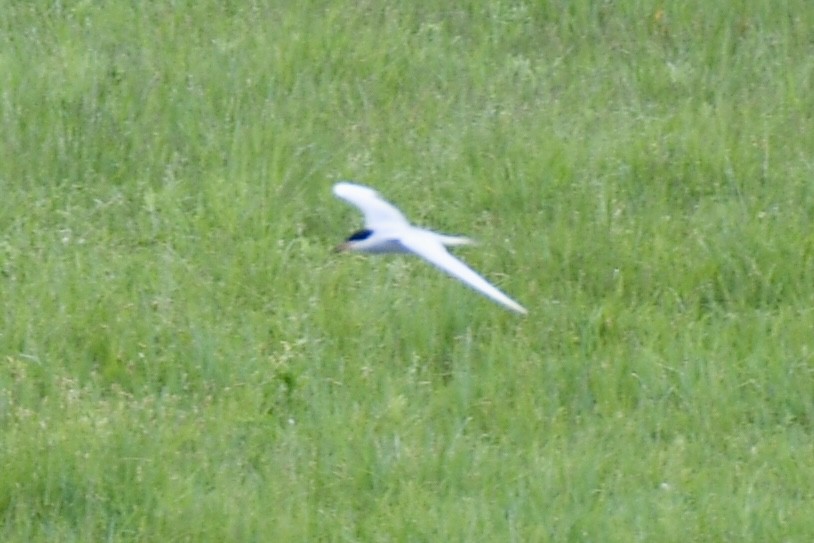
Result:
[[451, 241]]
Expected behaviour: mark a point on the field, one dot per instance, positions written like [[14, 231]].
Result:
[[183, 358]]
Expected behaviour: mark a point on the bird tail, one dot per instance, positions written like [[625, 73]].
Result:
[[451, 241]]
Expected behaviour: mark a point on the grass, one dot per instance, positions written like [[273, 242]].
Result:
[[182, 359]]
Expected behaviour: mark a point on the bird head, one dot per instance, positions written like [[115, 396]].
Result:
[[355, 241]]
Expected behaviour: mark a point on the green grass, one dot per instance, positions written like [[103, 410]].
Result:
[[183, 359]]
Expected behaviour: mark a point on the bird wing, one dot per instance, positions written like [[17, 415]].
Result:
[[434, 252], [377, 211]]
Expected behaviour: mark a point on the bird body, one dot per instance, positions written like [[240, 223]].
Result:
[[388, 231]]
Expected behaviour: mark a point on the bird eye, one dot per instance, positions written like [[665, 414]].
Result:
[[360, 235]]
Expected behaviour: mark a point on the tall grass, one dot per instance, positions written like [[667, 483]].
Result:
[[183, 359]]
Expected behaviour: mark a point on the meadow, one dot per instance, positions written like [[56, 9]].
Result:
[[183, 358]]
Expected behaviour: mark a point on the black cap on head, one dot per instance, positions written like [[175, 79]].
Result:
[[359, 235]]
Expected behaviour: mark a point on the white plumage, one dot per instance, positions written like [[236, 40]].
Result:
[[388, 231]]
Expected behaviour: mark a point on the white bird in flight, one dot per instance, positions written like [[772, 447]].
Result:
[[387, 231]]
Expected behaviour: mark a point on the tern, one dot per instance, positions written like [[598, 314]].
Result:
[[388, 231]]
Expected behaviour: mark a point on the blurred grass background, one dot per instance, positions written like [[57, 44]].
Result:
[[182, 359]]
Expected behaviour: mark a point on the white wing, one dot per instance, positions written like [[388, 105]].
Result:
[[435, 253], [377, 211]]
